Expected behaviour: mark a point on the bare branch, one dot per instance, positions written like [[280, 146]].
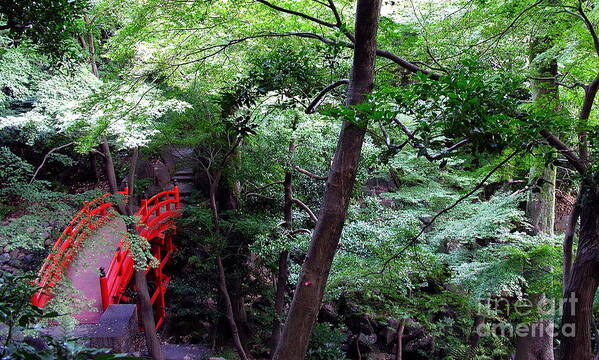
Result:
[[590, 27], [268, 185], [425, 153], [231, 150], [308, 173], [568, 153], [298, 231], [410, 66], [260, 196], [388, 139], [297, 13], [305, 208], [46, 158], [316, 102]]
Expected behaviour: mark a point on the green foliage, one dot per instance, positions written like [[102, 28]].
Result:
[[52, 24], [13, 169], [19, 315], [139, 246], [43, 214], [325, 343]]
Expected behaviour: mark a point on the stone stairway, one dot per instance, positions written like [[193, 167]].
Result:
[[186, 182], [184, 173]]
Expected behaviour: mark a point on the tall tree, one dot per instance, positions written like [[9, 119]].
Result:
[[537, 344], [315, 270]]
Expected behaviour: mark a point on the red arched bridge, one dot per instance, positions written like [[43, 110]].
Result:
[[95, 240]]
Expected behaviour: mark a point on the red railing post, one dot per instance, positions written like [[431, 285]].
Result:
[[104, 289], [177, 200], [144, 208]]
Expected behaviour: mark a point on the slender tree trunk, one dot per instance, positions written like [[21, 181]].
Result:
[[93, 164], [283, 275], [89, 46], [109, 166], [230, 317], [141, 284], [569, 241], [241, 351], [540, 207], [315, 270], [400, 330], [582, 286]]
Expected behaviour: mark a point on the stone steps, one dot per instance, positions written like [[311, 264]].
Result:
[[185, 352], [184, 178]]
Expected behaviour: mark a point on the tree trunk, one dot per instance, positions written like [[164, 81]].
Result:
[[230, 318], [141, 284], [241, 351], [540, 207], [283, 275], [147, 316], [93, 164], [537, 344], [109, 166], [580, 293], [400, 330], [315, 270]]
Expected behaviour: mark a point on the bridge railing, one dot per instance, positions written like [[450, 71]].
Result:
[[155, 218], [93, 214]]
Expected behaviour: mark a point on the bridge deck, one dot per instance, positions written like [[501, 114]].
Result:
[[97, 252]]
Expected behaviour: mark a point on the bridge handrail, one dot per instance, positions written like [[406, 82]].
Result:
[[121, 267], [67, 244], [155, 218]]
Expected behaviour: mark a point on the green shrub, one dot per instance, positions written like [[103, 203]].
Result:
[[325, 343]]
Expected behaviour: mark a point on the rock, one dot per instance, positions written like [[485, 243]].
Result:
[[366, 339], [328, 313], [28, 258], [359, 323], [4, 258], [362, 342], [426, 221], [117, 328], [387, 336], [379, 356]]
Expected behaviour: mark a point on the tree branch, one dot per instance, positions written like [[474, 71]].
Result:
[[308, 173], [425, 153], [447, 209], [568, 153], [257, 188], [46, 158], [305, 208], [590, 27], [297, 13], [298, 231], [410, 66], [316, 102]]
